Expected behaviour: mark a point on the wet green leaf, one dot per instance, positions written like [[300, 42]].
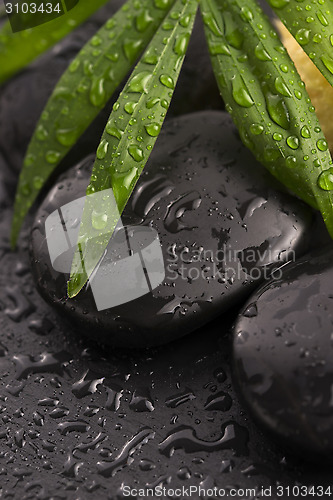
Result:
[[82, 91], [17, 50], [311, 24], [130, 135], [268, 101]]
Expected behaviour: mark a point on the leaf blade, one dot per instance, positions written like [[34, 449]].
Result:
[[267, 99], [312, 29], [130, 135], [95, 74]]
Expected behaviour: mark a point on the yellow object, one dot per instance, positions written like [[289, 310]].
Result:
[[319, 90]]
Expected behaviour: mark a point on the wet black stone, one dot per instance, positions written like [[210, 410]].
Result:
[[216, 212], [283, 355], [23, 98]]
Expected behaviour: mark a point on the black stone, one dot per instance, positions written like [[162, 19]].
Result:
[[215, 209], [283, 355]]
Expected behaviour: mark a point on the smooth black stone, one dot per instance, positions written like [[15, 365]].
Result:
[[203, 192], [23, 98], [283, 355]]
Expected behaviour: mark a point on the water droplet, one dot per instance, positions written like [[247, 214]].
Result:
[[136, 152], [321, 17], [277, 136], [305, 132], [52, 156], [246, 14], [88, 68], [185, 21], [322, 144], [181, 44], [303, 36], [162, 4], [140, 82], [152, 102], [293, 142], [29, 160], [150, 57], [276, 108], [167, 81], [38, 182], [97, 92], [278, 4], [102, 149], [233, 35], [325, 179], [96, 41], [74, 66], [291, 161], [67, 137], [111, 23], [261, 53], [328, 62], [240, 92], [284, 68], [114, 131], [143, 20], [153, 129], [41, 133], [99, 220], [219, 48], [256, 129], [130, 107], [131, 49], [281, 87]]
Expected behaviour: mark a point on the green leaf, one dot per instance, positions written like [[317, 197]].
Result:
[[17, 50], [268, 101], [82, 91], [129, 137], [311, 24]]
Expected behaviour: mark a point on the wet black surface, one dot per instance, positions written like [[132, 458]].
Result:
[[220, 223], [78, 420], [68, 405], [290, 319]]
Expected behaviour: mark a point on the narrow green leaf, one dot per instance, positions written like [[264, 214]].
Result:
[[268, 101], [82, 91], [17, 50], [311, 24], [129, 137]]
